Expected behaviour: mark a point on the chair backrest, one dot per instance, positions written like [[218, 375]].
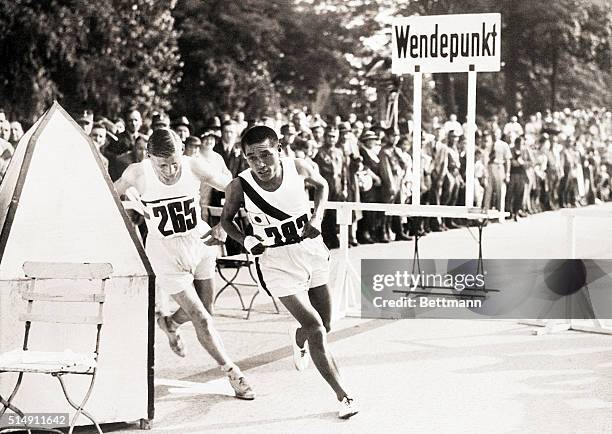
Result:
[[63, 271], [215, 211]]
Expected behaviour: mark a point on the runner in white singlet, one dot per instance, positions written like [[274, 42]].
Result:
[[168, 184], [292, 261]]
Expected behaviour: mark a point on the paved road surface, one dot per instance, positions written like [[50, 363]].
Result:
[[410, 375]]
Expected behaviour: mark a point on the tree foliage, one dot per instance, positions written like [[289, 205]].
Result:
[[256, 55], [200, 58], [103, 54], [554, 54]]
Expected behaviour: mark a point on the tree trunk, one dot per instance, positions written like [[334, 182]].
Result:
[[510, 53], [553, 76], [447, 92]]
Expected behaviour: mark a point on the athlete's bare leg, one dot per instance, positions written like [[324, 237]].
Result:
[[205, 290], [313, 330], [192, 306], [321, 300]]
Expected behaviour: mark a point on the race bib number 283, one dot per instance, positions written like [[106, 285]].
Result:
[[288, 230]]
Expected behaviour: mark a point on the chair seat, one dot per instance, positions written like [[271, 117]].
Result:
[[47, 362], [234, 261]]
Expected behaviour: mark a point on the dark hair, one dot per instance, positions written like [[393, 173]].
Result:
[[163, 143], [258, 134], [193, 141]]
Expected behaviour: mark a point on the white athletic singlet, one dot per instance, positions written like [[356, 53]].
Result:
[[282, 214], [172, 210]]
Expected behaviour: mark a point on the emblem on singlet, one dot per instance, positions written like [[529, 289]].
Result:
[[258, 219]]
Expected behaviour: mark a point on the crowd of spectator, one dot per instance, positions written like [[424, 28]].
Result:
[[522, 165]]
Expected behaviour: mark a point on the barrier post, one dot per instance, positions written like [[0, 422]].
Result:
[[346, 301], [471, 138], [416, 136]]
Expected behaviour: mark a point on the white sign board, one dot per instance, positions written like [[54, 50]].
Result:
[[446, 43]]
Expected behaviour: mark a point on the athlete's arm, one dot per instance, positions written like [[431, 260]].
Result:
[[313, 178], [216, 179], [234, 196], [130, 178], [224, 170]]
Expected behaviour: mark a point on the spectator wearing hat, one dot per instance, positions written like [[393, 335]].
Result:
[[216, 162], [347, 138], [480, 179], [403, 148], [568, 188], [98, 137], [551, 174], [121, 162], [330, 161], [391, 173], [241, 123], [452, 124], [119, 125], [267, 121], [306, 151], [499, 170], [214, 124], [5, 130], [160, 120], [370, 226], [454, 182], [318, 134], [513, 129], [352, 160], [357, 128], [193, 145], [439, 179], [135, 155], [181, 126], [287, 140], [126, 141], [227, 147], [6, 150], [518, 179], [529, 155], [300, 121], [86, 121]]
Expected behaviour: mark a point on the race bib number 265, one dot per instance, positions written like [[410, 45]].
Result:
[[176, 217]]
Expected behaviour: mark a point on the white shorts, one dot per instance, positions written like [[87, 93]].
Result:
[[287, 270], [178, 261]]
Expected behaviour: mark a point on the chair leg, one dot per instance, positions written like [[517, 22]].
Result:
[[229, 283], [253, 301], [275, 305], [7, 404], [251, 304], [256, 294], [79, 408], [239, 296]]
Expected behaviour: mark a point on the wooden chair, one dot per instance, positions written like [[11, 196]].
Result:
[[57, 363], [235, 263]]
